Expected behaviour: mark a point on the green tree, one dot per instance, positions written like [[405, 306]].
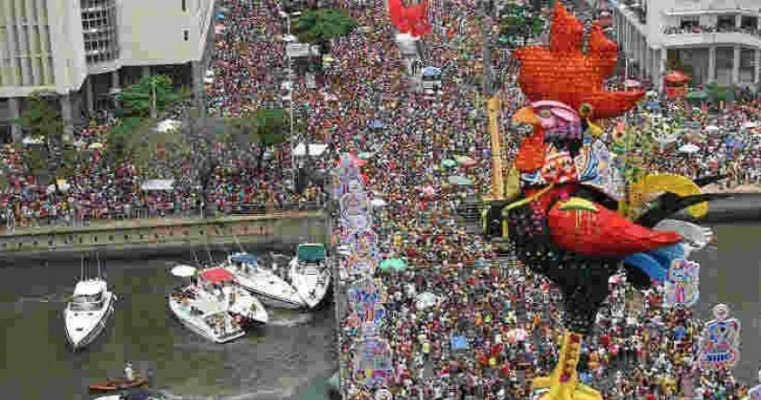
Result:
[[322, 25], [41, 119], [43, 122], [262, 128], [149, 96]]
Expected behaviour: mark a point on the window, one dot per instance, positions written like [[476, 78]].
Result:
[[184, 5], [186, 34]]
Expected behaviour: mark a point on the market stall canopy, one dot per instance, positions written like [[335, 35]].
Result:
[[183, 271], [216, 275], [459, 180], [157, 185], [315, 149], [689, 148], [677, 77]]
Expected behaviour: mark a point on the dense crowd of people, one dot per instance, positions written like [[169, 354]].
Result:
[[508, 315]]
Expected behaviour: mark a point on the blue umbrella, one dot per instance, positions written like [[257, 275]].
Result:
[[431, 71], [220, 16], [377, 124]]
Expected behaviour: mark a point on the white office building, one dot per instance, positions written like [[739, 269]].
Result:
[[85, 50], [720, 40]]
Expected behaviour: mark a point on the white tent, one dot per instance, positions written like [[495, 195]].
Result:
[[315, 149], [168, 125], [157, 185]]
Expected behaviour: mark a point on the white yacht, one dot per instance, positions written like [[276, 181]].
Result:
[[310, 273], [86, 314], [272, 289], [213, 307]]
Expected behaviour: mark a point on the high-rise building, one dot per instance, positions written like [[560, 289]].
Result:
[[712, 40], [85, 50]]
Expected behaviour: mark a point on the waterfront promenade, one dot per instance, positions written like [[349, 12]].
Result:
[[286, 228]]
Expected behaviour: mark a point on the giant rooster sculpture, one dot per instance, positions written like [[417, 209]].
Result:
[[563, 227]]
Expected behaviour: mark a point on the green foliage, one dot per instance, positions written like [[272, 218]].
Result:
[[138, 98], [717, 93], [322, 25], [264, 127], [41, 119], [120, 138]]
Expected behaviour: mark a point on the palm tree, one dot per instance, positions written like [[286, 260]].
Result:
[[322, 25]]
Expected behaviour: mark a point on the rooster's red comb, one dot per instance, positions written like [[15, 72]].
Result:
[[562, 72]]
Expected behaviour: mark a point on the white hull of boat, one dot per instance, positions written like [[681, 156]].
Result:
[[197, 325], [269, 288], [81, 331], [311, 282]]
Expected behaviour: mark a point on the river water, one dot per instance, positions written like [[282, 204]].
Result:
[[289, 359]]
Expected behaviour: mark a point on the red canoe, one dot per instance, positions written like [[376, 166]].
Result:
[[117, 384]]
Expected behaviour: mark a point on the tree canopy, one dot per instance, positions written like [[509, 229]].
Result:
[[322, 24], [138, 98], [264, 127], [42, 119]]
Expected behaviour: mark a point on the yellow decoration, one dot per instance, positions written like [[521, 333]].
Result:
[[672, 183], [577, 203], [368, 373], [570, 388], [513, 184], [492, 361], [594, 129]]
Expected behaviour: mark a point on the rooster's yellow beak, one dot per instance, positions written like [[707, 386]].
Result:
[[526, 115]]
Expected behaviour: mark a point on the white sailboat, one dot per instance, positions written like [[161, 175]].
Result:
[[86, 315], [262, 282], [213, 307], [310, 273]]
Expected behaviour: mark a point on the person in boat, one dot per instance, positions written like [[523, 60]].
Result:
[[129, 373]]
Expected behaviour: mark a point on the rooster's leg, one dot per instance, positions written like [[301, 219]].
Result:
[[563, 382]]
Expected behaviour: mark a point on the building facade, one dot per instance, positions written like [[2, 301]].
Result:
[[85, 50], [713, 40]]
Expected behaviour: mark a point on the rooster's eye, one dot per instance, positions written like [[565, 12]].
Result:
[[544, 114]]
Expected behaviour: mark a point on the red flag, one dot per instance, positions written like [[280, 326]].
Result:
[[410, 20]]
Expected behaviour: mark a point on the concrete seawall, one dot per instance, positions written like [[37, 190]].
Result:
[[138, 238]]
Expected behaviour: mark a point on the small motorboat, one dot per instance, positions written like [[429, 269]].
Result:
[[112, 384], [272, 289], [87, 312], [134, 394], [310, 273]]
